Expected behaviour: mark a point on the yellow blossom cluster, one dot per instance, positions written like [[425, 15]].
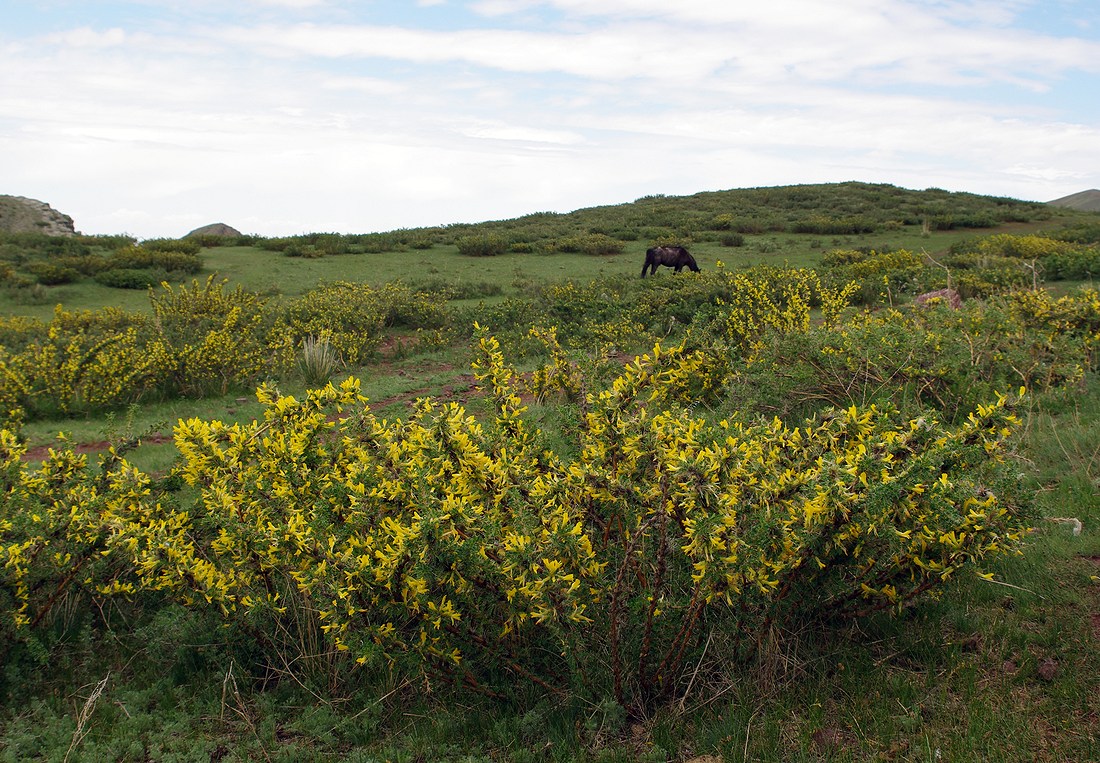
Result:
[[467, 547], [757, 306]]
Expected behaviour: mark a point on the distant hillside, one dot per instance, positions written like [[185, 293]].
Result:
[[1084, 201], [727, 217], [19, 214], [827, 208]]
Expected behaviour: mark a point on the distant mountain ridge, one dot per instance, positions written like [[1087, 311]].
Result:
[[18, 214], [1083, 201]]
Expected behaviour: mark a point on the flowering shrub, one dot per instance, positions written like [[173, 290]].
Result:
[[466, 549], [213, 338], [351, 316], [78, 361], [200, 339], [948, 360]]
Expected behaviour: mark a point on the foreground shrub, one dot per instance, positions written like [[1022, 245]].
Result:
[[467, 550]]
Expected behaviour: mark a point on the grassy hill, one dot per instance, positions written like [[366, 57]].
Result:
[[794, 224], [1084, 201]]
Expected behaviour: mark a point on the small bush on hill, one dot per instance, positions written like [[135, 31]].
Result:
[[140, 258], [132, 278], [591, 243], [177, 245], [489, 245], [49, 274]]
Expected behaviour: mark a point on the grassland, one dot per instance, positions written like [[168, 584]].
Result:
[[1004, 670]]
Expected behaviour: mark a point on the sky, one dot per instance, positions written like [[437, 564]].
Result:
[[280, 117]]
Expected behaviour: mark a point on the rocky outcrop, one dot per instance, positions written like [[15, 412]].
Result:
[[215, 229], [19, 214], [948, 297]]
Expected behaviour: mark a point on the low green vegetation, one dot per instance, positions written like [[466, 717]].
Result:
[[775, 510]]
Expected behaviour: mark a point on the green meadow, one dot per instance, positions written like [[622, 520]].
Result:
[[803, 315]]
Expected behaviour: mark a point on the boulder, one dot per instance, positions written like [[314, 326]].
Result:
[[18, 214], [215, 229], [949, 297]]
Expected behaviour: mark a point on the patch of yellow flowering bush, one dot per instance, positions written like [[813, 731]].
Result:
[[465, 548]]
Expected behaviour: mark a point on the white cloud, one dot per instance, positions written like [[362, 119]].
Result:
[[85, 37], [493, 130], [361, 126], [297, 4]]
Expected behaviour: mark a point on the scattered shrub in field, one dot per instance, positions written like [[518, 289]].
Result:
[[488, 245], [825, 225], [140, 258], [1025, 247], [1082, 233], [988, 282], [732, 239], [201, 339], [1076, 316], [447, 288], [882, 275], [132, 278], [1078, 265], [305, 251], [177, 245], [591, 243], [330, 243], [86, 264], [50, 274], [17, 331], [948, 360], [723, 221], [216, 338], [275, 244], [349, 317], [410, 308], [25, 291], [78, 362]]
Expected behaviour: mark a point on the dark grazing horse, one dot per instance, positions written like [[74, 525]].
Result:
[[669, 256]]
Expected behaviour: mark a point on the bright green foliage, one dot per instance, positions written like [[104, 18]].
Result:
[[591, 243], [488, 245]]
